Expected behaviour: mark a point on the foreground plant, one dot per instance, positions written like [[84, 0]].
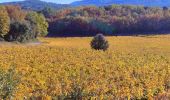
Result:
[[8, 83]]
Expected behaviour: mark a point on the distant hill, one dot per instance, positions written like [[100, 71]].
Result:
[[159, 3], [36, 4]]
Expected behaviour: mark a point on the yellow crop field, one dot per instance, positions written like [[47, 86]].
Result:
[[67, 68]]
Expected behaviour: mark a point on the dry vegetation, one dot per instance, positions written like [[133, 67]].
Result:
[[60, 68]]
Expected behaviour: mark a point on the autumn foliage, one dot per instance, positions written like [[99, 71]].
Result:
[[67, 68], [20, 25], [15, 13], [4, 21], [110, 20]]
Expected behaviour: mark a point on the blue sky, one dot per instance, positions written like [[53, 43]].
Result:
[[56, 1]]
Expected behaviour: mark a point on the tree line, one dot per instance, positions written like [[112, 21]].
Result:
[[20, 25], [109, 20]]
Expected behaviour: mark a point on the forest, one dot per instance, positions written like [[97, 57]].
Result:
[[109, 20], [88, 20]]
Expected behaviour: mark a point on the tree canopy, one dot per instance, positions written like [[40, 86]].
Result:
[[4, 21], [109, 20], [20, 25], [39, 22]]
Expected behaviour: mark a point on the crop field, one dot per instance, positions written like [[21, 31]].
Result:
[[134, 67]]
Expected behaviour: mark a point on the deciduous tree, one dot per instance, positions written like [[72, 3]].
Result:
[[39, 23], [4, 21], [15, 13]]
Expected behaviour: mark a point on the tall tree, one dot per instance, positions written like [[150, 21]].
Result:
[[38, 22], [15, 13], [4, 21]]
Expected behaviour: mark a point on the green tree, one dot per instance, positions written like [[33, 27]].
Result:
[[38, 23], [20, 31], [4, 21]]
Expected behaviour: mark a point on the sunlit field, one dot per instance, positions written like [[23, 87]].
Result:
[[134, 67], [134, 44]]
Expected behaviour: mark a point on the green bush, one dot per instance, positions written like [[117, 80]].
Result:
[[20, 31], [99, 42], [8, 83]]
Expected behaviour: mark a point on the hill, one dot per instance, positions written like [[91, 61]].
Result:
[[110, 20], [36, 4], [159, 3]]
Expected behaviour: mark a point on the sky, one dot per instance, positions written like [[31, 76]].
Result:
[[55, 1]]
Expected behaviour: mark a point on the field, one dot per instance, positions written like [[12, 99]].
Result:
[[66, 68]]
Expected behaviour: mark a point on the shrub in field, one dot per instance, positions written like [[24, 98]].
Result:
[[99, 42], [8, 83]]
